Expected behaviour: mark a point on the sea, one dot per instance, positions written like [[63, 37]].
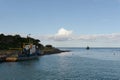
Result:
[[78, 64]]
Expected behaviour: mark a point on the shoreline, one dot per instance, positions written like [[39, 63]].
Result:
[[14, 53]]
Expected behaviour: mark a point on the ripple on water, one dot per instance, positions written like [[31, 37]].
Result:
[[66, 66]]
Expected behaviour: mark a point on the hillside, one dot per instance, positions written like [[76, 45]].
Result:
[[8, 42], [16, 41]]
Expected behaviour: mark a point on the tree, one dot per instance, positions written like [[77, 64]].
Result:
[[16, 41]]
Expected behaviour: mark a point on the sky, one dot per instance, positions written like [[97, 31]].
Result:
[[63, 23]]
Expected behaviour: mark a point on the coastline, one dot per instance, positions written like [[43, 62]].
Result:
[[14, 53], [54, 51]]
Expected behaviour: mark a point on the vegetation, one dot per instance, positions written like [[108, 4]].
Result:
[[16, 41], [48, 49], [48, 46], [10, 44]]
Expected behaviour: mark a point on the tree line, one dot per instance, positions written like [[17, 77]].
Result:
[[16, 41]]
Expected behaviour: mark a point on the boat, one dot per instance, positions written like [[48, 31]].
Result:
[[28, 52], [87, 47]]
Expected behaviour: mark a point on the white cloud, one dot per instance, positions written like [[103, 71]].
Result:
[[62, 35], [100, 37], [66, 38], [67, 35], [63, 32]]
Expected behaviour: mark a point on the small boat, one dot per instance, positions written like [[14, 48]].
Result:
[[28, 52], [87, 47]]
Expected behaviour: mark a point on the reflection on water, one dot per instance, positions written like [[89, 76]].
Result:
[[80, 64]]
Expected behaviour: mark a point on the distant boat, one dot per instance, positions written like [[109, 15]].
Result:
[[87, 47]]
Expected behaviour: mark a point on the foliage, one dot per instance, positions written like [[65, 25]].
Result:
[[48, 46], [16, 41]]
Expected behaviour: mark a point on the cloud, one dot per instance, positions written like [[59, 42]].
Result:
[[92, 39], [63, 32], [67, 35], [66, 38], [62, 35], [100, 37]]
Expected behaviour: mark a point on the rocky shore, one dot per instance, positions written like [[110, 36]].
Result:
[[46, 51], [54, 51], [43, 52], [14, 53]]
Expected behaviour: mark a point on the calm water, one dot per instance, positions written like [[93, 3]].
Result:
[[79, 64]]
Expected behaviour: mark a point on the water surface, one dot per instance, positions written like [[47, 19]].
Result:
[[79, 64]]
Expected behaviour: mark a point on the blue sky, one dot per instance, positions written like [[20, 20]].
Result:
[[82, 22]]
